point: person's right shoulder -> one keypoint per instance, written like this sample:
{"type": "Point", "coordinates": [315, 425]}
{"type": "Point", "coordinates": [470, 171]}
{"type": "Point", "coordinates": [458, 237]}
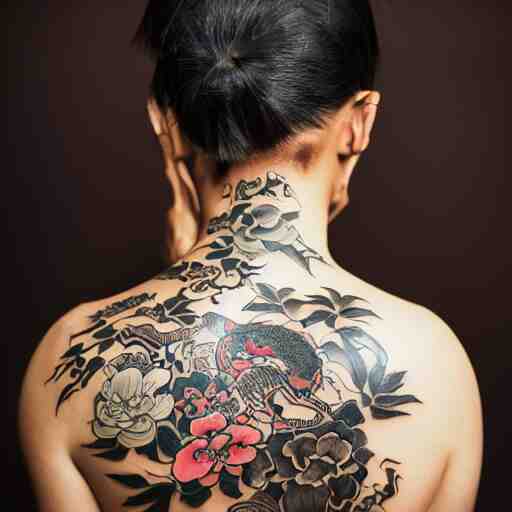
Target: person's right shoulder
{"type": "Point", "coordinates": [441, 371]}
{"type": "Point", "coordinates": [444, 353]}
{"type": "Point", "coordinates": [439, 359]}
{"type": "Point", "coordinates": [463, 409]}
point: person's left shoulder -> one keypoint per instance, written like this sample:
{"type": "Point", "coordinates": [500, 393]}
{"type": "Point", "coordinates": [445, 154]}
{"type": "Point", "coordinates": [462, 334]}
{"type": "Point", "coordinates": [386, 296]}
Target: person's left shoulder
{"type": "Point", "coordinates": [46, 436]}
{"type": "Point", "coordinates": [38, 399]}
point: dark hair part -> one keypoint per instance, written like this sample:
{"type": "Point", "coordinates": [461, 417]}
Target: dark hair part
{"type": "Point", "coordinates": [243, 76]}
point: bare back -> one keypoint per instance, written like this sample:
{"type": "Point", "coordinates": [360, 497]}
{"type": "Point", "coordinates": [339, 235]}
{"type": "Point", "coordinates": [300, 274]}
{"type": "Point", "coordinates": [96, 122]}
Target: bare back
{"type": "Point", "coordinates": [255, 375]}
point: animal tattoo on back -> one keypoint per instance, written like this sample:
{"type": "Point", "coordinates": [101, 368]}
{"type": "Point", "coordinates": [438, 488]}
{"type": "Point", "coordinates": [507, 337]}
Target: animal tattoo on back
{"type": "Point", "coordinates": [267, 403]}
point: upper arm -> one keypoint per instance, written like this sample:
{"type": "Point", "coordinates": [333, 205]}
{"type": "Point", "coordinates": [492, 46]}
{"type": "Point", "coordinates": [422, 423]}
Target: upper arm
{"type": "Point", "coordinates": [461, 477]}
{"type": "Point", "coordinates": [58, 484]}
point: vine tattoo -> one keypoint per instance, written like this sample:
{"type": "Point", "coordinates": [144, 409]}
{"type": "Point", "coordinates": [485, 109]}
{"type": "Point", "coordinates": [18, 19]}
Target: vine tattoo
{"type": "Point", "coordinates": [272, 401]}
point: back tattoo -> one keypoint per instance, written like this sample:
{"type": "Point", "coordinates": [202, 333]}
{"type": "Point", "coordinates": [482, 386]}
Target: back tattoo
{"type": "Point", "coordinates": [271, 399]}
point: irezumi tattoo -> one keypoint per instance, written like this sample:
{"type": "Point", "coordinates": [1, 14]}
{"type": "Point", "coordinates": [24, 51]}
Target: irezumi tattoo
{"type": "Point", "coordinates": [273, 398]}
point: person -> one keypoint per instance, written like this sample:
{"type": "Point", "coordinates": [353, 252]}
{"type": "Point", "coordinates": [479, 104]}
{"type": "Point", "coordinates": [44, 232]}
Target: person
{"type": "Point", "coordinates": [255, 374]}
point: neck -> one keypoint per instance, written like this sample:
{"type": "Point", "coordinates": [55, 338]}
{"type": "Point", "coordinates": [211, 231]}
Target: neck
{"type": "Point", "coordinates": [269, 209]}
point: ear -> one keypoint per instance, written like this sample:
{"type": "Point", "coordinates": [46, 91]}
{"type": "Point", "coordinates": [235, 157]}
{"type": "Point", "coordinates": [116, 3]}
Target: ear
{"type": "Point", "coordinates": [353, 139]}
{"type": "Point", "coordinates": [183, 216]}
{"type": "Point", "coordinates": [365, 108]}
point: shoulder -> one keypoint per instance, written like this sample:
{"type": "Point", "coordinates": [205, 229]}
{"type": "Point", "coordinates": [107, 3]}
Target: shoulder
{"type": "Point", "coordinates": [437, 343]}
{"type": "Point", "coordinates": [452, 367]}
{"type": "Point", "coordinates": [441, 374]}
{"type": "Point", "coordinates": [440, 368]}
{"type": "Point", "coordinates": [37, 401]}
{"type": "Point", "coordinates": [39, 398]}
{"type": "Point", "coordinates": [452, 404]}
{"type": "Point", "coordinates": [424, 332]}
{"type": "Point", "coordinates": [67, 333]}
{"type": "Point", "coordinates": [57, 339]}
{"type": "Point", "coordinates": [46, 437]}
{"type": "Point", "coordinates": [435, 347]}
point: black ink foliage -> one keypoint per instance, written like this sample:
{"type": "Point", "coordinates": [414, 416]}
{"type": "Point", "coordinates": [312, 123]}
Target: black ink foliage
{"type": "Point", "coordinates": [117, 454]}
{"type": "Point", "coordinates": [229, 485]}
{"type": "Point", "coordinates": [131, 481]}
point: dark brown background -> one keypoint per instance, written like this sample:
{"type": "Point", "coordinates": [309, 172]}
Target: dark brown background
{"type": "Point", "coordinates": [429, 218]}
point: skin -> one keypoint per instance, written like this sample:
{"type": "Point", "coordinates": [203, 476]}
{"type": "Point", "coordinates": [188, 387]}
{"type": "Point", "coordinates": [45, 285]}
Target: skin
{"type": "Point", "coordinates": [439, 445]}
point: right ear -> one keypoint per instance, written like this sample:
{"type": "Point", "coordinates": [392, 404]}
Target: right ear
{"type": "Point", "coordinates": [183, 216]}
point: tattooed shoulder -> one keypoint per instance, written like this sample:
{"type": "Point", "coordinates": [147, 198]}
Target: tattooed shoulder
{"type": "Point", "coordinates": [237, 383]}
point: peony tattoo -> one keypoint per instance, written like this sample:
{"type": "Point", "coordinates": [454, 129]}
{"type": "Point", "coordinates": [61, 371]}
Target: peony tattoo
{"type": "Point", "coordinates": [266, 404]}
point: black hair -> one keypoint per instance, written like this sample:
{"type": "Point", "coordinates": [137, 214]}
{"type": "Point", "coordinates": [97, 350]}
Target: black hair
{"type": "Point", "coordinates": [244, 76]}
